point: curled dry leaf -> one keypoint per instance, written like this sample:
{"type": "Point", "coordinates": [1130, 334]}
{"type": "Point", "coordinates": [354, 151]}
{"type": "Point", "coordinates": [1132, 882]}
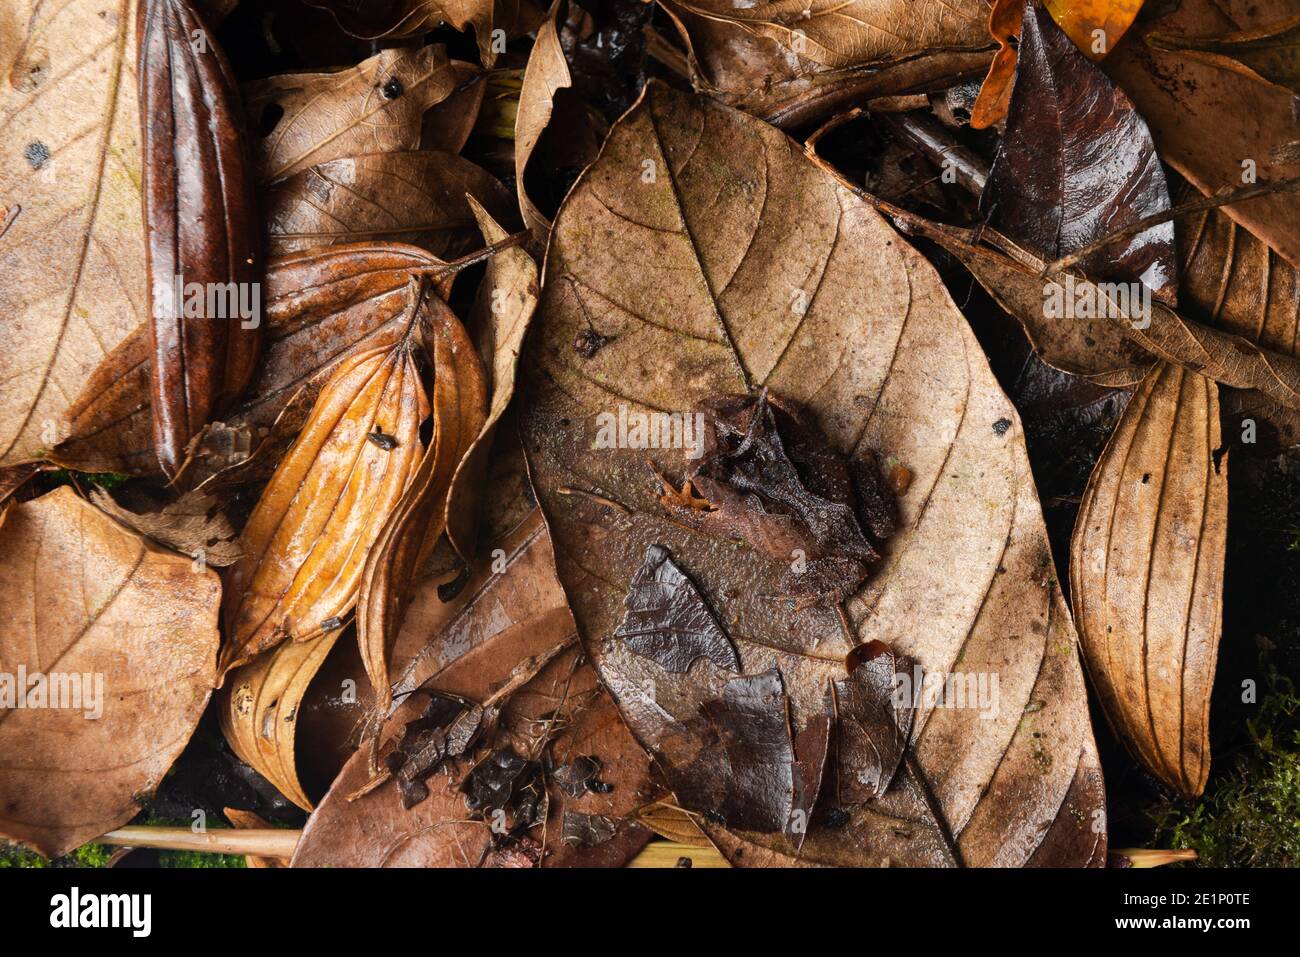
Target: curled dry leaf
{"type": "Point", "coordinates": [689, 278]}
{"type": "Point", "coordinates": [754, 59]}
{"type": "Point", "coordinates": [546, 74]}
{"type": "Point", "coordinates": [416, 197]}
{"type": "Point", "coordinates": [101, 624]}
{"type": "Point", "coordinates": [319, 307]}
{"type": "Point", "coordinates": [201, 226]}
{"type": "Point", "coordinates": [307, 539]}
{"type": "Point", "coordinates": [193, 525]}
{"type": "Point", "coordinates": [506, 301]}
{"type": "Point", "coordinates": [260, 706]}
{"type": "Point", "coordinates": [1146, 573]}
{"type": "Point", "coordinates": [995, 94]}
{"type": "Point", "coordinates": [1181, 98]}
{"type": "Point", "coordinates": [509, 612]}
{"type": "Point", "coordinates": [376, 106]}
{"type": "Point", "coordinates": [1077, 163]}
{"type": "Point", "coordinates": [70, 212]}
{"type": "Point", "coordinates": [420, 517]}
{"type": "Point", "coordinates": [1269, 54]}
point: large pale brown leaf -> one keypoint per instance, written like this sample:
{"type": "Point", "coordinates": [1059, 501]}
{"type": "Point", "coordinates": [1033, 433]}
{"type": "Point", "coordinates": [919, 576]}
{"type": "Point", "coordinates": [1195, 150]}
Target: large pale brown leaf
{"type": "Point", "coordinates": [1181, 99]}
{"type": "Point", "coordinates": [792, 61]}
{"type": "Point", "coordinates": [319, 306]}
{"type": "Point", "coordinates": [1146, 573]}
{"type": "Point", "coordinates": [688, 279]}
{"type": "Point", "coordinates": [201, 226]}
{"type": "Point", "coordinates": [72, 243]}
{"type": "Point", "coordinates": [86, 600]}
{"type": "Point", "coordinates": [306, 543]}
{"type": "Point", "coordinates": [416, 197]}
{"type": "Point", "coordinates": [376, 106]}
{"type": "Point", "coordinates": [511, 609]}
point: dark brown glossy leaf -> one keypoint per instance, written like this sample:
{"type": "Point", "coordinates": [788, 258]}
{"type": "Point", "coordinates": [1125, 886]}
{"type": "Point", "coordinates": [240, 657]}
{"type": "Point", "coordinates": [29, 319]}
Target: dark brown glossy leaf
{"type": "Point", "coordinates": [201, 227]}
{"type": "Point", "coordinates": [667, 620]}
{"type": "Point", "coordinates": [1077, 163]}
{"type": "Point", "coordinates": [320, 306]}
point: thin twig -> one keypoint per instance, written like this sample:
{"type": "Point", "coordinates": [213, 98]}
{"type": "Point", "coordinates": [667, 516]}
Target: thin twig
{"type": "Point", "coordinates": [1224, 197]}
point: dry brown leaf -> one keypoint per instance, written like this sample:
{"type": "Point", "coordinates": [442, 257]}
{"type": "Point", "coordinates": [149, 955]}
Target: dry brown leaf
{"type": "Point", "coordinates": [995, 93]}
{"type": "Point", "coordinates": [1233, 281]}
{"type": "Point", "coordinates": [1268, 54]}
{"type": "Point", "coordinates": [416, 197]}
{"type": "Point", "coordinates": [1146, 573]}
{"type": "Point", "coordinates": [193, 525]}
{"type": "Point", "coordinates": [673, 823]}
{"type": "Point", "coordinates": [1181, 99]}
{"type": "Point", "coordinates": [1214, 352]}
{"type": "Point", "coordinates": [793, 60]}
{"type": "Point", "coordinates": [692, 280]}
{"type": "Point", "coordinates": [306, 543]}
{"type": "Point", "coordinates": [546, 74]}
{"type": "Point", "coordinates": [512, 608]}
{"type": "Point", "coordinates": [447, 125]}
{"type": "Point", "coordinates": [376, 106]}
{"type": "Point", "coordinates": [71, 234]}
{"type": "Point", "coordinates": [506, 300]}
{"type": "Point", "coordinates": [95, 607]}
{"type": "Point", "coordinates": [320, 306]}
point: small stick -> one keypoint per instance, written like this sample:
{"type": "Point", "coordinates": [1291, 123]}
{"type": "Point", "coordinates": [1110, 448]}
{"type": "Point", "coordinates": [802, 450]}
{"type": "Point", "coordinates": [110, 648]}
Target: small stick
{"type": "Point", "coordinates": [268, 842]}
{"type": "Point", "coordinates": [1224, 197]}
{"type": "Point", "coordinates": [570, 490]}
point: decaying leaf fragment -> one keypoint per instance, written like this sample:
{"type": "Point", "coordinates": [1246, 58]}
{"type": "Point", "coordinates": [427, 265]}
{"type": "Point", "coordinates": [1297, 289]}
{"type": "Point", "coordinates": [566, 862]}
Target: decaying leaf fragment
{"type": "Point", "coordinates": [995, 93]}
{"type": "Point", "coordinates": [766, 475]}
{"type": "Point", "coordinates": [689, 279]}
{"type": "Point", "coordinates": [1146, 573]}
{"type": "Point", "coordinates": [201, 226]}
{"type": "Point", "coordinates": [506, 643]}
{"type": "Point", "coordinates": [110, 641]}
{"type": "Point", "coordinates": [308, 538]}
{"type": "Point", "coordinates": [193, 524]}
{"type": "Point", "coordinates": [667, 620]}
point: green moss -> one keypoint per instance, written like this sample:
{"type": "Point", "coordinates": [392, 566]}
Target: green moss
{"type": "Point", "coordinates": [91, 855]}
{"type": "Point", "coordinates": [56, 477]}
{"type": "Point", "coordinates": [1250, 817]}
{"type": "Point", "coordinates": [197, 859]}
{"type": "Point", "coordinates": [13, 855]}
